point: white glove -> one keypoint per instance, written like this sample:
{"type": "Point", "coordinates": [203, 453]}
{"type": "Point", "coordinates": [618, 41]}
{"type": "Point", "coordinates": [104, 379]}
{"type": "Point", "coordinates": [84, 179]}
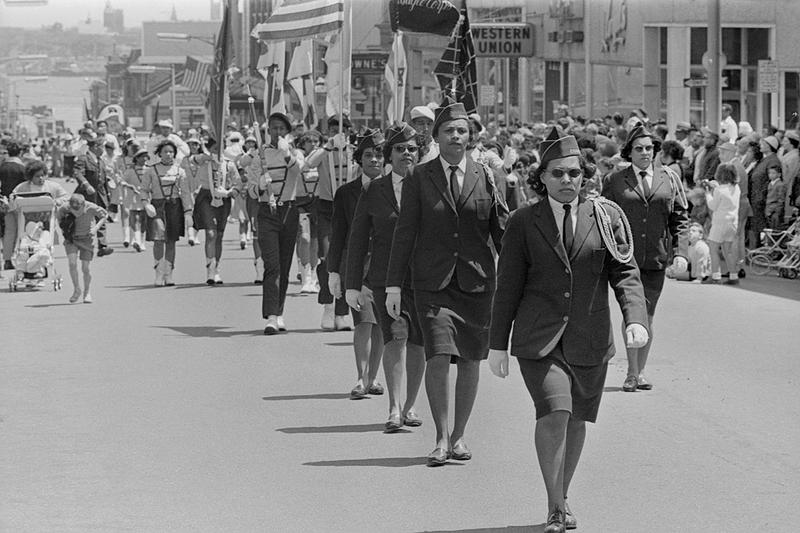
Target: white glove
{"type": "Point", "coordinates": [283, 147]}
{"type": "Point", "coordinates": [498, 362]}
{"type": "Point", "coordinates": [340, 141]}
{"type": "Point", "coordinates": [335, 284]}
{"type": "Point", "coordinates": [188, 220]}
{"type": "Point", "coordinates": [150, 210]}
{"type": "Point", "coordinates": [510, 157]}
{"type": "Point", "coordinates": [636, 336]}
{"type": "Point", "coordinates": [221, 192]}
{"type": "Point", "coordinates": [393, 301]}
{"type": "Point", "coordinates": [353, 298]}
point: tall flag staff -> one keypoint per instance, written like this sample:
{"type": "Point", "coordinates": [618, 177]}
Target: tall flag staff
{"type": "Point", "coordinates": [457, 67]}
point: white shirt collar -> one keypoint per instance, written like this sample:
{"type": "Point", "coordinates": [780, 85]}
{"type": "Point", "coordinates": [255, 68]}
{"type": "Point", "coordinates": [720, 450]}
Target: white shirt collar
{"type": "Point", "coordinates": [462, 165]}
{"type": "Point", "coordinates": [396, 178]}
{"type": "Point", "coordinates": [638, 170]}
{"type": "Point", "coordinates": [558, 207]}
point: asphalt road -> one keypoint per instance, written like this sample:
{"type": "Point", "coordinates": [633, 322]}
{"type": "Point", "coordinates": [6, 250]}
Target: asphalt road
{"type": "Point", "coordinates": [165, 409]}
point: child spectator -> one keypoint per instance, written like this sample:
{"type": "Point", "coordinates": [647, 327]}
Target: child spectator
{"type": "Point", "coordinates": [76, 220]}
{"type": "Point", "coordinates": [699, 254]}
{"type": "Point", "coordinates": [722, 198]}
{"type": "Point", "coordinates": [775, 197]}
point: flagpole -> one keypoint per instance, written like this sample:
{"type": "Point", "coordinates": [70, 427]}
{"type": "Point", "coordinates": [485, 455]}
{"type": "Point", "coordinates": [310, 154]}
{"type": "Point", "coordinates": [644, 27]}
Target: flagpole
{"type": "Point", "coordinates": [398, 42]}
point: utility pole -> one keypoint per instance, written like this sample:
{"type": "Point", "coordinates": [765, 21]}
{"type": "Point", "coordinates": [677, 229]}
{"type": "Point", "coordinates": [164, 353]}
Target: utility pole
{"type": "Point", "coordinates": [714, 89]}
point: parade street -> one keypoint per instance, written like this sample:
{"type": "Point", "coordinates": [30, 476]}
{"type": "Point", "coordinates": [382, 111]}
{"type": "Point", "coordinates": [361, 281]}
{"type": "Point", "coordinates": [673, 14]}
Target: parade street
{"type": "Point", "coordinates": [166, 409]}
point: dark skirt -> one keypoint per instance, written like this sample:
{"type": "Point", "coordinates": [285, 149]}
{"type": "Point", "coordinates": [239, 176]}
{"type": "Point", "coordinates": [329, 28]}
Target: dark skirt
{"type": "Point", "coordinates": [454, 322]}
{"type": "Point", "coordinates": [207, 216]}
{"type": "Point", "coordinates": [407, 326]}
{"type": "Point", "coordinates": [367, 315]}
{"type": "Point", "coordinates": [168, 223]}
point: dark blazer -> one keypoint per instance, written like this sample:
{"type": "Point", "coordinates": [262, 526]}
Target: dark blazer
{"type": "Point", "coordinates": [89, 169]}
{"type": "Point", "coordinates": [547, 296]}
{"type": "Point", "coordinates": [445, 236]}
{"type": "Point", "coordinates": [655, 221]}
{"type": "Point", "coordinates": [344, 207]}
{"type": "Point", "coordinates": [371, 233]}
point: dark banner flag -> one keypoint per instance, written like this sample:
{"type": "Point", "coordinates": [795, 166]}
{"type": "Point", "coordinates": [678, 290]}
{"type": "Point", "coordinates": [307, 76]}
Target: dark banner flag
{"type": "Point", "coordinates": [423, 16]}
{"type": "Point", "coordinates": [218, 93]}
{"type": "Point", "coordinates": [456, 71]}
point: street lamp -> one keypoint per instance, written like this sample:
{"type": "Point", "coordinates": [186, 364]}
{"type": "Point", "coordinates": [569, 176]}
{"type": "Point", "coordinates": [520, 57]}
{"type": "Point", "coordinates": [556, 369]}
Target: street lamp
{"type": "Point", "coordinates": [150, 69]}
{"type": "Point", "coordinates": [182, 37]}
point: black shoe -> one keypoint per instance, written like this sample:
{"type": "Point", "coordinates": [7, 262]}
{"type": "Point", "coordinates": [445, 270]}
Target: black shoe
{"type": "Point", "coordinates": [104, 250]}
{"type": "Point", "coordinates": [8, 265]}
{"type": "Point", "coordinates": [742, 273]}
{"type": "Point", "coordinates": [555, 522]}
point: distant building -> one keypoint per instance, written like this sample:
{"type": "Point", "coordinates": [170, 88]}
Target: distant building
{"type": "Point", "coordinates": [113, 19]}
{"type": "Point", "coordinates": [216, 9]}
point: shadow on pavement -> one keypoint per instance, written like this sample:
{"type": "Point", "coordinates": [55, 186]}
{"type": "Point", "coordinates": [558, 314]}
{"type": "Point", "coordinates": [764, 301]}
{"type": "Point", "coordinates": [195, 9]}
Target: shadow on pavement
{"type": "Point", "coordinates": [321, 396]}
{"type": "Point", "coordinates": [396, 462]}
{"type": "Point", "coordinates": [338, 344]}
{"type": "Point", "coordinates": [41, 306]}
{"type": "Point", "coordinates": [539, 528]}
{"type": "Point", "coordinates": [771, 285]}
{"type": "Point", "coordinates": [355, 428]}
{"type": "Point", "coordinates": [612, 389]}
{"type": "Point", "coordinates": [211, 332]}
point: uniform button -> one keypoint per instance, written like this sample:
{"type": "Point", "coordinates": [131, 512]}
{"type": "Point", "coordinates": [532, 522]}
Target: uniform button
{"type": "Point", "coordinates": [566, 295]}
{"type": "Point", "coordinates": [566, 319]}
{"type": "Point", "coordinates": [455, 254]}
{"type": "Point", "coordinates": [455, 235]}
{"type": "Point", "coordinates": [566, 270]}
{"type": "Point", "coordinates": [644, 235]}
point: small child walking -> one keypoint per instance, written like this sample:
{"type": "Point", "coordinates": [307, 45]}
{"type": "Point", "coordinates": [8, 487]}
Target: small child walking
{"type": "Point", "coordinates": [77, 219]}
{"type": "Point", "coordinates": [776, 192]}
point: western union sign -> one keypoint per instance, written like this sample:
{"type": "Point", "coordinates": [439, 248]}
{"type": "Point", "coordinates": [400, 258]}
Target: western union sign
{"type": "Point", "coordinates": [503, 40]}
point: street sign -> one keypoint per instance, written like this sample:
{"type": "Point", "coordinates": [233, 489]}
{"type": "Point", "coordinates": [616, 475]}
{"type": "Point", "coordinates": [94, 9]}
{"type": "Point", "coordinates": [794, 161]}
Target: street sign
{"type": "Point", "coordinates": [767, 76]}
{"type": "Point", "coordinates": [486, 95]}
{"type": "Point", "coordinates": [514, 39]}
{"type": "Point", "coordinates": [695, 82]}
{"type": "Point", "coordinates": [369, 63]}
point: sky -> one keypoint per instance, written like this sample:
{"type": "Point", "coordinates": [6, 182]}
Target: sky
{"type": "Point", "coordinates": [70, 12]}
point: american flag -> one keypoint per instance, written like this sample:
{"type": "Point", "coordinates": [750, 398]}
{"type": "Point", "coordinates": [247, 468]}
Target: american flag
{"type": "Point", "coordinates": [196, 76]}
{"type": "Point", "coordinates": [293, 20]}
{"type": "Point", "coordinates": [218, 101]}
{"type": "Point", "coordinates": [458, 63]}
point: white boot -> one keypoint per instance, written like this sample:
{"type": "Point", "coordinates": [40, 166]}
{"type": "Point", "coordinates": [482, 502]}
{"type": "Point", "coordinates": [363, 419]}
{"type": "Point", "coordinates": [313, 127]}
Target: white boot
{"type": "Point", "coordinates": [217, 277]}
{"type": "Point", "coordinates": [243, 240]}
{"type": "Point", "coordinates": [272, 325]}
{"type": "Point", "coordinates": [327, 317]}
{"type": "Point", "coordinates": [193, 237]}
{"type": "Point", "coordinates": [259, 263]}
{"type": "Point", "coordinates": [168, 267]}
{"type": "Point", "coordinates": [340, 323]}
{"type": "Point", "coordinates": [210, 270]}
{"type": "Point", "coordinates": [309, 282]}
{"type": "Point", "coordinates": [281, 323]}
{"type": "Point", "coordinates": [159, 268]}
{"type": "Point", "coordinates": [137, 241]}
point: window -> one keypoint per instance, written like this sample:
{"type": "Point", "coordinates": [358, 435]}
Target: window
{"type": "Point", "coordinates": [757, 45]}
{"type": "Point", "coordinates": [698, 43]}
{"type": "Point", "coordinates": [732, 45]}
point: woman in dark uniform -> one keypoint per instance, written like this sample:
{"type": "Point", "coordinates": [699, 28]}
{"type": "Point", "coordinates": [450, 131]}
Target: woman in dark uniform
{"type": "Point", "coordinates": [450, 210]}
{"type": "Point", "coordinates": [369, 246]}
{"type": "Point", "coordinates": [559, 256]}
{"type": "Point", "coordinates": [652, 198]}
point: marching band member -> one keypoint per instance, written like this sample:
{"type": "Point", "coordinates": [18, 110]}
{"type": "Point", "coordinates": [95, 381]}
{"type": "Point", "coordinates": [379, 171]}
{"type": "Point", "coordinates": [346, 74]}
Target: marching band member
{"type": "Point", "coordinates": [558, 258]}
{"type": "Point", "coordinates": [367, 261]}
{"type": "Point", "coordinates": [367, 338]}
{"type": "Point", "coordinates": [272, 178]}
{"type": "Point", "coordinates": [218, 183]}
{"type": "Point", "coordinates": [131, 184]}
{"type": "Point", "coordinates": [334, 163]}
{"type": "Point", "coordinates": [449, 212]}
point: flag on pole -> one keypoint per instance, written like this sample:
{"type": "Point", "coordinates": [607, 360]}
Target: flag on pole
{"type": "Point", "coordinates": [272, 66]}
{"type": "Point", "coordinates": [218, 100]}
{"type": "Point", "coordinates": [301, 79]}
{"type": "Point", "coordinates": [86, 110]}
{"type": "Point", "coordinates": [395, 73]}
{"type": "Point", "coordinates": [196, 76]}
{"type": "Point", "coordinates": [293, 20]}
{"type": "Point", "coordinates": [338, 58]}
{"type": "Point", "coordinates": [456, 71]}
{"type": "Point", "coordinates": [155, 112]}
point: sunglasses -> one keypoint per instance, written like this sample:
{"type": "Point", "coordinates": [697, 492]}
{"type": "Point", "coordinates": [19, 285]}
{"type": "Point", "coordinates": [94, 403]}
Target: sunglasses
{"type": "Point", "coordinates": [572, 173]}
{"type": "Point", "coordinates": [400, 149]}
{"type": "Point", "coordinates": [644, 148]}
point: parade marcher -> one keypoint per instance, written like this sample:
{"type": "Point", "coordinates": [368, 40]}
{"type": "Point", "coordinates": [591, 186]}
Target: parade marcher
{"type": "Point", "coordinates": [367, 338]}
{"type": "Point", "coordinates": [12, 173]}
{"type": "Point", "coordinates": [164, 132]}
{"type": "Point", "coordinates": [334, 163]}
{"type": "Point", "coordinates": [652, 199]}
{"type": "Point", "coordinates": [422, 121]}
{"type": "Point", "coordinates": [251, 206]}
{"type": "Point", "coordinates": [131, 183]}
{"type": "Point", "coordinates": [367, 261]}
{"type": "Point", "coordinates": [195, 144]}
{"type": "Point", "coordinates": [77, 219]}
{"type": "Point", "coordinates": [449, 211]}
{"type": "Point", "coordinates": [307, 243]}
{"type": "Point", "coordinates": [90, 173]}
{"type": "Point", "coordinates": [272, 178]}
{"type": "Point", "coordinates": [218, 183]}
{"type": "Point", "coordinates": [558, 259]}
{"type": "Point", "coordinates": [115, 167]}
{"type": "Point", "coordinates": [168, 204]}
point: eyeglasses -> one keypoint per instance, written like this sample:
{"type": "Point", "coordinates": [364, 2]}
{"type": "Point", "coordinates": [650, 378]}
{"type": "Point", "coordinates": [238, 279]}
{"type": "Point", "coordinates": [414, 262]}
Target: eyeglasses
{"type": "Point", "coordinates": [572, 172]}
{"type": "Point", "coordinates": [644, 148]}
{"type": "Point", "coordinates": [400, 149]}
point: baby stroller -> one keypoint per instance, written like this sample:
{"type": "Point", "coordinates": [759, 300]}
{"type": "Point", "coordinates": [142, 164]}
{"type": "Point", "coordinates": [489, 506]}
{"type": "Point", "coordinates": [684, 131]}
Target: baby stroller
{"type": "Point", "coordinates": [33, 249]}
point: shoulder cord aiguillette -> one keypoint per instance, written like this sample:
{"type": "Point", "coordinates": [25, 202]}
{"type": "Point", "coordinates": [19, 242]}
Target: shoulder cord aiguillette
{"type": "Point", "coordinates": [601, 206]}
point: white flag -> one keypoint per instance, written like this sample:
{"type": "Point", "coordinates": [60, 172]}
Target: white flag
{"type": "Point", "coordinates": [272, 65]}
{"type": "Point", "coordinates": [395, 73]}
{"type": "Point", "coordinates": [339, 61]}
{"type": "Point", "coordinates": [301, 79]}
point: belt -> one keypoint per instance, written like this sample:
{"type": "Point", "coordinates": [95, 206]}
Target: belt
{"type": "Point", "coordinates": [287, 203]}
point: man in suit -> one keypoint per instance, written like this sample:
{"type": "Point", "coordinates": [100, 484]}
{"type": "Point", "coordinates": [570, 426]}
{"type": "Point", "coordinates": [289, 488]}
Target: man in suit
{"type": "Point", "coordinates": [555, 268]}
{"type": "Point", "coordinates": [450, 210]}
{"type": "Point", "coordinates": [12, 173]}
{"type": "Point", "coordinates": [651, 198]}
{"type": "Point", "coordinates": [367, 338]}
{"type": "Point", "coordinates": [90, 173]}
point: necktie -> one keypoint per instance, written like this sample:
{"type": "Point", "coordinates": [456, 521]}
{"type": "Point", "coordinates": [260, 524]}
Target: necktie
{"type": "Point", "coordinates": [567, 233]}
{"type": "Point", "coordinates": [455, 190]}
{"type": "Point", "coordinates": [645, 186]}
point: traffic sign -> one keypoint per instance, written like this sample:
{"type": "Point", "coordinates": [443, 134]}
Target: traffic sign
{"type": "Point", "coordinates": [767, 76]}
{"type": "Point", "coordinates": [486, 94]}
{"type": "Point", "coordinates": [695, 82]}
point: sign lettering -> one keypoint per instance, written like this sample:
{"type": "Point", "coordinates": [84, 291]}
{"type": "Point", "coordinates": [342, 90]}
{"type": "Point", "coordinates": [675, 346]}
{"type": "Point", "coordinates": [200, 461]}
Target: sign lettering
{"type": "Point", "coordinates": [503, 40]}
